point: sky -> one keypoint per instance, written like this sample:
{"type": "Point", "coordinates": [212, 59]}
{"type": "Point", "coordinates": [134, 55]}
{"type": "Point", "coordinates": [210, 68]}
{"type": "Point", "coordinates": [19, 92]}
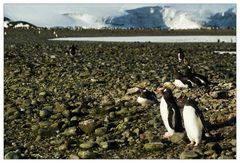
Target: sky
{"type": "Point", "coordinates": [46, 14]}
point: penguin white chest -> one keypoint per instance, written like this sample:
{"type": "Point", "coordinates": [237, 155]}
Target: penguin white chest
{"type": "Point", "coordinates": [143, 101]}
{"type": "Point", "coordinates": [179, 83]}
{"type": "Point", "coordinates": [164, 114]}
{"type": "Point", "coordinates": [192, 123]}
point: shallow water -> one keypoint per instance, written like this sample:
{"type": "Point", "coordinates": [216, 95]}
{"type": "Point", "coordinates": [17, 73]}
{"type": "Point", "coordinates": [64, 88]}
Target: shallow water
{"type": "Point", "coordinates": [202, 38]}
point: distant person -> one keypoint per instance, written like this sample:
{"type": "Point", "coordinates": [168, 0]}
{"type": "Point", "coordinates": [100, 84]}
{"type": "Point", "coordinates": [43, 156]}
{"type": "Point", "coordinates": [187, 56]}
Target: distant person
{"type": "Point", "coordinates": [73, 50]}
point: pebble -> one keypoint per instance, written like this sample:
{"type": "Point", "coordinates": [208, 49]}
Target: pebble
{"type": "Point", "coordinates": [87, 126]}
{"type": "Point", "coordinates": [154, 146]}
{"type": "Point", "coordinates": [100, 131]}
{"type": "Point", "coordinates": [189, 155]}
{"type": "Point", "coordinates": [87, 145]}
{"type": "Point", "coordinates": [86, 154]}
{"type": "Point", "coordinates": [70, 131]}
{"type": "Point", "coordinates": [177, 138]}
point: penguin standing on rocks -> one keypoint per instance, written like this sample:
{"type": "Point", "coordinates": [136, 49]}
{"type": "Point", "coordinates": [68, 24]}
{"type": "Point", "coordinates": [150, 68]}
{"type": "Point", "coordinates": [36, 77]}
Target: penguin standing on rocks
{"type": "Point", "coordinates": [182, 81]}
{"type": "Point", "coordinates": [147, 97]}
{"type": "Point", "coordinates": [73, 50]}
{"type": "Point", "coordinates": [200, 80]}
{"type": "Point", "coordinates": [194, 121]}
{"type": "Point", "coordinates": [170, 113]}
{"type": "Point", "coordinates": [180, 55]}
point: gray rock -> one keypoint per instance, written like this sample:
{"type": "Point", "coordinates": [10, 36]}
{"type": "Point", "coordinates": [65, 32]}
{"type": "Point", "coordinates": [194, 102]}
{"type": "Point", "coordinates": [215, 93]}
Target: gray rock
{"type": "Point", "coordinates": [86, 154]}
{"type": "Point", "coordinates": [148, 135]}
{"type": "Point", "coordinates": [66, 113]}
{"type": "Point", "coordinates": [70, 131]}
{"type": "Point", "coordinates": [209, 152]}
{"type": "Point", "coordinates": [154, 146]}
{"type": "Point", "coordinates": [44, 113]}
{"type": "Point", "coordinates": [177, 138]}
{"type": "Point", "coordinates": [42, 93]}
{"type": "Point", "coordinates": [132, 91]}
{"type": "Point", "coordinates": [104, 145]}
{"type": "Point", "coordinates": [233, 142]}
{"type": "Point", "coordinates": [63, 147]}
{"type": "Point", "coordinates": [100, 131]}
{"type": "Point", "coordinates": [74, 157]}
{"type": "Point", "coordinates": [107, 101]}
{"type": "Point", "coordinates": [12, 155]}
{"type": "Point", "coordinates": [122, 111]}
{"type": "Point", "coordinates": [189, 155]}
{"type": "Point", "coordinates": [87, 126]}
{"type": "Point", "coordinates": [225, 157]}
{"type": "Point", "coordinates": [87, 145]}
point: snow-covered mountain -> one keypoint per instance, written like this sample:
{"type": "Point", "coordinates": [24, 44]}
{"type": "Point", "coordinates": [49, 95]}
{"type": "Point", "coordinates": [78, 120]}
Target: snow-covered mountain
{"type": "Point", "coordinates": [166, 17]}
{"type": "Point", "coordinates": [225, 19]}
{"type": "Point", "coordinates": [17, 24]}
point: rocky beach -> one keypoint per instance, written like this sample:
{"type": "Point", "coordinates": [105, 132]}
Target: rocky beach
{"type": "Point", "coordinates": [59, 106]}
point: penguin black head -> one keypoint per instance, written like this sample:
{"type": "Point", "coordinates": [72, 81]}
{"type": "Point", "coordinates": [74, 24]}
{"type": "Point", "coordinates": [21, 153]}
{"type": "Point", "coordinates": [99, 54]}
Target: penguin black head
{"type": "Point", "coordinates": [167, 93]}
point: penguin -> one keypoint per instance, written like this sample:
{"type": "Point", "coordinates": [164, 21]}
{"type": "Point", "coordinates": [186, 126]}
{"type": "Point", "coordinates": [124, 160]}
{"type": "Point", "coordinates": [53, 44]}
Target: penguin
{"type": "Point", "coordinates": [182, 81]}
{"type": "Point", "coordinates": [200, 80]}
{"type": "Point", "coordinates": [180, 55]}
{"type": "Point", "coordinates": [170, 113]}
{"type": "Point", "coordinates": [147, 97]}
{"type": "Point", "coordinates": [73, 50]}
{"type": "Point", "coordinates": [194, 122]}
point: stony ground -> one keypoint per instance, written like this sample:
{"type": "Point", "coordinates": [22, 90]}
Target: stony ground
{"type": "Point", "coordinates": [60, 106]}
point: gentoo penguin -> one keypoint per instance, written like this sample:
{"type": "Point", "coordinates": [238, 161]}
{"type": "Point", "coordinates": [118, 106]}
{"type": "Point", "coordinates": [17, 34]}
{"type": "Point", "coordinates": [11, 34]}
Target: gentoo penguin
{"type": "Point", "coordinates": [170, 113]}
{"type": "Point", "coordinates": [193, 121]}
{"type": "Point", "coordinates": [147, 97]}
{"type": "Point", "coordinates": [182, 81]}
{"type": "Point", "coordinates": [180, 55]}
{"type": "Point", "coordinates": [200, 80]}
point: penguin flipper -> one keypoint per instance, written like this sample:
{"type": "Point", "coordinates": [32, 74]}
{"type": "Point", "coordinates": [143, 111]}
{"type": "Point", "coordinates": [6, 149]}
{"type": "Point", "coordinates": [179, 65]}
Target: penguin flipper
{"type": "Point", "coordinates": [200, 115]}
{"type": "Point", "coordinates": [171, 120]}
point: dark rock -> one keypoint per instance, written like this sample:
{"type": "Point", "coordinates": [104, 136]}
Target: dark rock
{"type": "Point", "coordinates": [12, 155]}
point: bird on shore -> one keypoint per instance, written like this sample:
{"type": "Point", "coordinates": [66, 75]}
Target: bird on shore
{"type": "Point", "coordinates": [180, 54]}
{"type": "Point", "coordinates": [200, 80]}
{"type": "Point", "coordinates": [170, 113]}
{"type": "Point", "coordinates": [73, 50]}
{"type": "Point", "coordinates": [194, 122]}
{"type": "Point", "coordinates": [147, 97]}
{"type": "Point", "coordinates": [182, 81]}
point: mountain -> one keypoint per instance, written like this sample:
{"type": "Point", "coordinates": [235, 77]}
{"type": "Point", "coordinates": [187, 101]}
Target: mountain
{"type": "Point", "coordinates": [225, 19]}
{"type": "Point", "coordinates": [164, 17]}
{"type": "Point", "coordinates": [17, 24]}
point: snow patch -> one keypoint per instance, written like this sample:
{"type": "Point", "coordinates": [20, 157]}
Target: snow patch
{"type": "Point", "coordinates": [21, 25]}
{"type": "Point", "coordinates": [6, 24]}
{"type": "Point", "coordinates": [179, 20]}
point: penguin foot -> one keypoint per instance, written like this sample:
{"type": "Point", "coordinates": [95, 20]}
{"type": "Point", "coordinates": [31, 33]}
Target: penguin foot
{"type": "Point", "coordinates": [167, 135]}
